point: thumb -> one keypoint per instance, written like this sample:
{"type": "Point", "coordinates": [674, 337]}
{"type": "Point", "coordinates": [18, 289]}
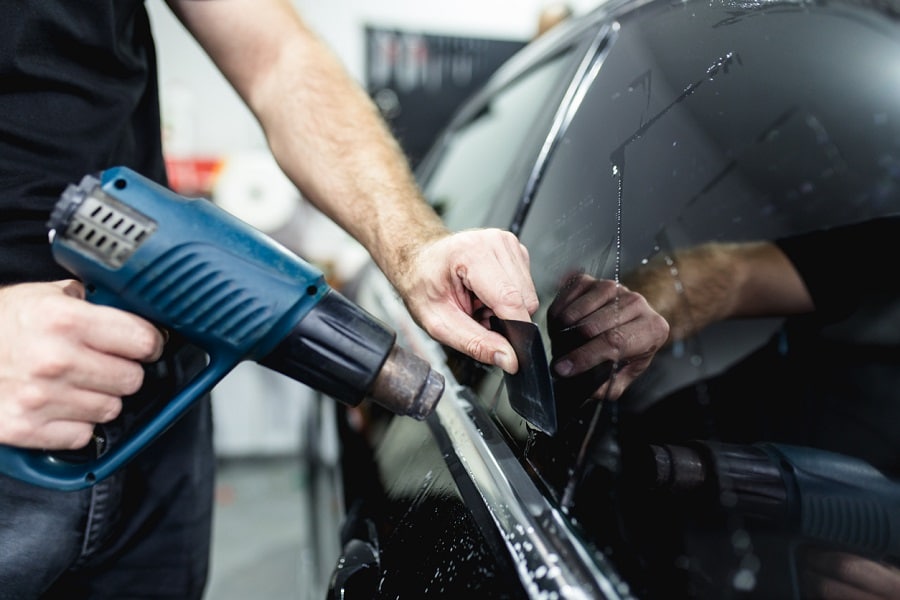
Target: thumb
{"type": "Point", "coordinates": [465, 334]}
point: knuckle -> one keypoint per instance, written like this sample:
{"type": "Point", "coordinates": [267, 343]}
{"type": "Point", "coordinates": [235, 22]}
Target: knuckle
{"type": "Point", "coordinates": [477, 347]}
{"type": "Point", "coordinates": [509, 294]}
{"type": "Point", "coordinates": [145, 340]}
{"type": "Point", "coordinates": [148, 344]}
{"type": "Point", "coordinates": [661, 327]}
{"type": "Point", "coordinates": [617, 340]}
{"type": "Point", "coordinates": [131, 379]}
{"type": "Point", "coordinates": [31, 398]}
{"type": "Point", "coordinates": [81, 437]}
{"type": "Point", "coordinates": [59, 317]}
{"type": "Point", "coordinates": [112, 410]}
{"type": "Point", "coordinates": [523, 250]}
{"type": "Point", "coordinates": [52, 366]}
{"type": "Point", "coordinates": [591, 329]}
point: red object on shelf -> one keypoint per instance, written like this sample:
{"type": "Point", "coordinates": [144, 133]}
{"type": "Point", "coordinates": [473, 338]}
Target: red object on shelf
{"type": "Point", "coordinates": [193, 176]}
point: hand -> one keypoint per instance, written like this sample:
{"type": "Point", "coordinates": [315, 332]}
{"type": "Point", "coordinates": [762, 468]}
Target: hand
{"type": "Point", "coordinates": [841, 576]}
{"type": "Point", "coordinates": [458, 281]}
{"type": "Point", "coordinates": [593, 322]}
{"type": "Point", "coordinates": [65, 364]}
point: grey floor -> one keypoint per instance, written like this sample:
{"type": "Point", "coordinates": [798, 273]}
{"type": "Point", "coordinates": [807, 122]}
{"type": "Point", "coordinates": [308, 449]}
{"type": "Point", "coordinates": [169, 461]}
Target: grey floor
{"type": "Point", "coordinates": [271, 539]}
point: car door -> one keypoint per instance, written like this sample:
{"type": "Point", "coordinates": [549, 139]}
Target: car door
{"type": "Point", "coordinates": [751, 448]}
{"type": "Point", "coordinates": [444, 508]}
{"type": "Point", "coordinates": [756, 446]}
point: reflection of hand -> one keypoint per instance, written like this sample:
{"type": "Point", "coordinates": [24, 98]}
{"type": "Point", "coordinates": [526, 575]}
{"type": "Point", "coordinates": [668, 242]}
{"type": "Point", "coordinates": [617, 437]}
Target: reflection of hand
{"type": "Point", "coordinates": [841, 576]}
{"type": "Point", "coordinates": [595, 321]}
{"type": "Point", "coordinates": [65, 363]}
{"type": "Point", "coordinates": [453, 280]}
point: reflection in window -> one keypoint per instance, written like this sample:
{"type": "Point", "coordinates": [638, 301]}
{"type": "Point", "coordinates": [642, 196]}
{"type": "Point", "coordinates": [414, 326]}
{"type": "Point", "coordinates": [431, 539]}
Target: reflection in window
{"type": "Point", "coordinates": [759, 445]}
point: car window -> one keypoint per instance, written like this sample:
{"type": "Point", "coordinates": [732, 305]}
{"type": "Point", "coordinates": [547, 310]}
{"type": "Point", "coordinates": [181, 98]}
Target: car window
{"type": "Point", "coordinates": [676, 154]}
{"type": "Point", "coordinates": [478, 154]}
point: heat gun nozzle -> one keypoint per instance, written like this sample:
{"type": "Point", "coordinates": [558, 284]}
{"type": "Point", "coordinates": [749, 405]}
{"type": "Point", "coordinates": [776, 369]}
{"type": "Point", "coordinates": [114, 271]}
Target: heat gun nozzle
{"type": "Point", "coordinates": [341, 350]}
{"type": "Point", "coordinates": [407, 385]}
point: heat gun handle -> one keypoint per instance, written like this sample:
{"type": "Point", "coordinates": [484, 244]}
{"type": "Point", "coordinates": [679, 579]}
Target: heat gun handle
{"type": "Point", "coordinates": [46, 469]}
{"type": "Point", "coordinates": [839, 499]}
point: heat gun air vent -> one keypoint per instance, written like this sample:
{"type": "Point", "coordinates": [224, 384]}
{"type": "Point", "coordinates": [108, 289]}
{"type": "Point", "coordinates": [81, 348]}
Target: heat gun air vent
{"type": "Point", "coordinates": [107, 229]}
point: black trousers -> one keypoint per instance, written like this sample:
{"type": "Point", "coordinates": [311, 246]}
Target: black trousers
{"type": "Point", "coordinates": [142, 533]}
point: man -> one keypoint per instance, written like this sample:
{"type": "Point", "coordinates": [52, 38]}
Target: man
{"type": "Point", "coordinates": [78, 95]}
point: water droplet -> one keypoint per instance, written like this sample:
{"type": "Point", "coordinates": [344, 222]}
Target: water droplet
{"type": "Point", "coordinates": [740, 540]}
{"type": "Point", "coordinates": [744, 580]}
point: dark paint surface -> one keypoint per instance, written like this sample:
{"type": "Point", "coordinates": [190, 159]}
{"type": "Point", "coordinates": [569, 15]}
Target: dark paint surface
{"type": "Point", "coordinates": [696, 123]}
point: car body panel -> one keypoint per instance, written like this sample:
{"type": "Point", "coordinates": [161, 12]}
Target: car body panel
{"type": "Point", "coordinates": [622, 139]}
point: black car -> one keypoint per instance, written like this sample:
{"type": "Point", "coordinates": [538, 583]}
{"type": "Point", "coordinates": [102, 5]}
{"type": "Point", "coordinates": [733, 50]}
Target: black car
{"type": "Point", "coordinates": [757, 456]}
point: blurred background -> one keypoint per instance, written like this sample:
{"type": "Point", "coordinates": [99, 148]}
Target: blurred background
{"type": "Point", "coordinates": [278, 504]}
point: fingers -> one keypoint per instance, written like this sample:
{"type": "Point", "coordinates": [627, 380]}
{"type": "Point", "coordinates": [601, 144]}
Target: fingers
{"type": "Point", "coordinates": [460, 280]}
{"type": "Point", "coordinates": [105, 329]}
{"type": "Point", "coordinates": [624, 330]}
{"type": "Point", "coordinates": [65, 364]}
{"type": "Point", "coordinates": [579, 296]}
{"type": "Point", "coordinates": [482, 344]}
{"type": "Point", "coordinates": [121, 334]}
{"type": "Point", "coordinates": [842, 575]}
{"type": "Point", "coordinates": [596, 321]}
{"type": "Point", "coordinates": [496, 268]}
{"type": "Point", "coordinates": [500, 280]}
{"type": "Point", "coordinates": [41, 421]}
{"type": "Point", "coordinates": [83, 369]}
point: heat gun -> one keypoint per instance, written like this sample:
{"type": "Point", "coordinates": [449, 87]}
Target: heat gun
{"type": "Point", "coordinates": [192, 268]}
{"type": "Point", "coordinates": [820, 496]}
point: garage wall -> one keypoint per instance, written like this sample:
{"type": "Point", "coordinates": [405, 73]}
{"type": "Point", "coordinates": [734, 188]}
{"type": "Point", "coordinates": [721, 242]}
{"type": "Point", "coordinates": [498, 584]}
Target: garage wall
{"type": "Point", "coordinates": [197, 101]}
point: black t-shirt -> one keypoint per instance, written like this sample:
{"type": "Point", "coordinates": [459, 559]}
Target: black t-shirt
{"type": "Point", "coordinates": [845, 358]}
{"type": "Point", "coordinates": [78, 94]}
{"type": "Point", "coordinates": [847, 267]}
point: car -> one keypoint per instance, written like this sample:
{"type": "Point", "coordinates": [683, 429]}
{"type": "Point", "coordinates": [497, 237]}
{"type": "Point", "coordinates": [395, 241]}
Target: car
{"type": "Point", "coordinates": [757, 456]}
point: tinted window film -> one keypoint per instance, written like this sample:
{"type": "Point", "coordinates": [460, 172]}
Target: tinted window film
{"type": "Point", "coordinates": [758, 454]}
{"type": "Point", "coordinates": [432, 539]}
{"type": "Point", "coordinates": [476, 161]}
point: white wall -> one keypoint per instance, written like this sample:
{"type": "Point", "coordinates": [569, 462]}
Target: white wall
{"type": "Point", "coordinates": [207, 116]}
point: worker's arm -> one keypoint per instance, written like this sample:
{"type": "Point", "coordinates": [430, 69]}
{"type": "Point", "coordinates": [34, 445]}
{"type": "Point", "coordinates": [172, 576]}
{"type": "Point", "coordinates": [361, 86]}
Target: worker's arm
{"type": "Point", "coordinates": [718, 281]}
{"type": "Point", "coordinates": [329, 138]}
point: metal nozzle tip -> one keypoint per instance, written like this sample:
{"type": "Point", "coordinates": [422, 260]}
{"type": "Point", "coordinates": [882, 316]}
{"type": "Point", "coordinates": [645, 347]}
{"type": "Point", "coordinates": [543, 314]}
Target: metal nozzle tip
{"type": "Point", "coordinates": [407, 385]}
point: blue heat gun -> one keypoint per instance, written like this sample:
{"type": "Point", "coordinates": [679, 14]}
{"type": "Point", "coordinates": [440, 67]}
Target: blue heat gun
{"type": "Point", "coordinates": [194, 269]}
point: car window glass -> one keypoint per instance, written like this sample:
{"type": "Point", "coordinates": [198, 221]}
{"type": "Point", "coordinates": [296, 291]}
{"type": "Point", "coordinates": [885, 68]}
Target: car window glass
{"type": "Point", "coordinates": [480, 152]}
{"type": "Point", "coordinates": [675, 153]}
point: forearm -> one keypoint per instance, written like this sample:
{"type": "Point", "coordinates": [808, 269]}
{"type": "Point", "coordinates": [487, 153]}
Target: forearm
{"type": "Point", "coordinates": [717, 281]}
{"type": "Point", "coordinates": [330, 140]}
{"type": "Point", "coordinates": [691, 290]}
{"type": "Point", "coordinates": [328, 137]}
{"type": "Point", "coordinates": [322, 128]}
